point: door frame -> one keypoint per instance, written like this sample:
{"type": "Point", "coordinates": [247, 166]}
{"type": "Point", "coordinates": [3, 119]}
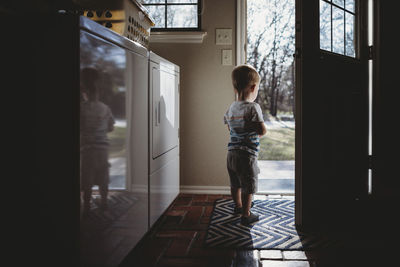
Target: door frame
{"type": "Point", "coordinates": [241, 31]}
{"type": "Point", "coordinates": [298, 119]}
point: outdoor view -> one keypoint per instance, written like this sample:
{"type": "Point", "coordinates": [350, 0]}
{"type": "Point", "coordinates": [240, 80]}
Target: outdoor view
{"type": "Point", "coordinates": [173, 13]}
{"type": "Point", "coordinates": [270, 49]}
{"type": "Point", "coordinates": [337, 19]}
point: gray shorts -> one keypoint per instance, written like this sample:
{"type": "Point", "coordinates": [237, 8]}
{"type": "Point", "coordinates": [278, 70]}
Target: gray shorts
{"type": "Point", "coordinates": [243, 171]}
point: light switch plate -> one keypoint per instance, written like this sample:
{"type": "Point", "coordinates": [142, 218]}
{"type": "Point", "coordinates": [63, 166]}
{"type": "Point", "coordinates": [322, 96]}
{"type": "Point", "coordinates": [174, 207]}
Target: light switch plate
{"type": "Point", "coordinates": [223, 36]}
{"type": "Point", "coordinates": [227, 57]}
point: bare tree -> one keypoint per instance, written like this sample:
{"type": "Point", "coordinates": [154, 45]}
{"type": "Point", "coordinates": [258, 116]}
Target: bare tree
{"type": "Point", "coordinates": [170, 16]}
{"type": "Point", "coordinates": [270, 48]}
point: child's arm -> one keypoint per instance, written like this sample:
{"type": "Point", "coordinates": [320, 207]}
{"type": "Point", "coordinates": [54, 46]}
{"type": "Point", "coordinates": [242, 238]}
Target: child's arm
{"type": "Point", "coordinates": [111, 121]}
{"type": "Point", "coordinates": [260, 128]}
{"type": "Point", "coordinates": [258, 121]}
{"type": "Point", "coordinates": [226, 121]}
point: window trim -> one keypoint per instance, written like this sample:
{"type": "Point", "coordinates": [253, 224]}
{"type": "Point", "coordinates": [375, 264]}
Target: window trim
{"type": "Point", "coordinates": [355, 13]}
{"type": "Point", "coordinates": [241, 32]}
{"type": "Point", "coordinates": [194, 37]}
{"type": "Point", "coordinates": [180, 29]}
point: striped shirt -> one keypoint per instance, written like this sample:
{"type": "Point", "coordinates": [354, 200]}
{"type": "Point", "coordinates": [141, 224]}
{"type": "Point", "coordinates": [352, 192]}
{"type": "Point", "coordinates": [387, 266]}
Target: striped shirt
{"type": "Point", "coordinates": [96, 120]}
{"type": "Point", "coordinates": [239, 117]}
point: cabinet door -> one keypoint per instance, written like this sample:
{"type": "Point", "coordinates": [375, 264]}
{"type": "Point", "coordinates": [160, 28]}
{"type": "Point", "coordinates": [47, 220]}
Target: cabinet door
{"type": "Point", "coordinates": [164, 187]}
{"type": "Point", "coordinates": [165, 101]}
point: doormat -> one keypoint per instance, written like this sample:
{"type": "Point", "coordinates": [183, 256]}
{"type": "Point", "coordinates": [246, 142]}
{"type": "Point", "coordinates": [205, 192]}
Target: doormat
{"type": "Point", "coordinates": [119, 202]}
{"type": "Point", "coordinates": [275, 229]}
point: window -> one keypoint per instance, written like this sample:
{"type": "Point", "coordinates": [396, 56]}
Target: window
{"type": "Point", "coordinates": [337, 26]}
{"type": "Point", "coordinates": [174, 15]}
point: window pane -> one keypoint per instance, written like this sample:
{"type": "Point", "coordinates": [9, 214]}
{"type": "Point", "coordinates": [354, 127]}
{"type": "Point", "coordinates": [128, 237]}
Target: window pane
{"type": "Point", "coordinates": [350, 4]}
{"type": "Point", "coordinates": [182, 16]}
{"type": "Point", "coordinates": [158, 14]}
{"type": "Point", "coordinates": [338, 30]}
{"type": "Point", "coordinates": [153, 1]}
{"type": "Point", "coordinates": [350, 38]}
{"type": "Point", "coordinates": [182, 1]}
{"type": "Point", "coordinates": [339, 2]}
{"type": "Point", "coordinates": [325, 26]}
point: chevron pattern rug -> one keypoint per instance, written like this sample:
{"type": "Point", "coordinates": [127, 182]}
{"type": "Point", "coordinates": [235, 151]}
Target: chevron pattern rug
{"type": "Point", "coordinates": [275, 229]}
{"type": "Point", "coordinates": [97, 220]}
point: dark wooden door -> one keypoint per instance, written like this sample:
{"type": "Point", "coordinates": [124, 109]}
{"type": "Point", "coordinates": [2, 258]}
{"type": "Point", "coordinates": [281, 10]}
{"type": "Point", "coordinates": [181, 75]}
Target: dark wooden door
{"type": "Point", "coordinates": [332, 110]}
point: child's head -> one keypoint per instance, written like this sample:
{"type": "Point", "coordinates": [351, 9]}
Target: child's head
{"type": "Point", "coordinates": [245, 80]}
{"type": "Point", "coordinates": [89, 77]}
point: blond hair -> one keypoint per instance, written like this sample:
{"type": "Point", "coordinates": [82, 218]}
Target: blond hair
{"type": "Point", "coordinates": [243, 76]}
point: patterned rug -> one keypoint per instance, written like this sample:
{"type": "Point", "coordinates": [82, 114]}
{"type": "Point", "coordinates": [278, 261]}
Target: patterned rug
{"type": "Point", "coordinates": [275, 229]}
{"type": "Point", "coordinates": [97, 220]}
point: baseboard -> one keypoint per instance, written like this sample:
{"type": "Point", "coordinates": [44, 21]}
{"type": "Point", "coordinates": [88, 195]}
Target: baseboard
{"type": "Point", "coordinates": [200, 189]}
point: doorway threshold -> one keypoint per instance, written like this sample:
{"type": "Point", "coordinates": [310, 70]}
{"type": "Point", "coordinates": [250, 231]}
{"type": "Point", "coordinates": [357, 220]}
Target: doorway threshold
{"type": "Point", "coordinates": [276, 186]}
{"type": "Point", "coordinates": [276, 177]}
{"type": "Point", "coordinates": [271, 194]}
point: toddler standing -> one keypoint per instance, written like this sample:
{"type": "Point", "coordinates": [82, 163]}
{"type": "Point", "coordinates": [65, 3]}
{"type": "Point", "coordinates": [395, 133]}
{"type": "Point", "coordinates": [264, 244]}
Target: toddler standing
{"type": "Point", "coordinates": [96, 120]}
{"type": "Point", "coordinates": [246, 126]}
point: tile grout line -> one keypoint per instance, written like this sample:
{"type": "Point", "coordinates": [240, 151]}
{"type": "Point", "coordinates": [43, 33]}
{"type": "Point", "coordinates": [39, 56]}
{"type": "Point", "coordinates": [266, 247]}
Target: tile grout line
{"type": "Point", "coordinates": [191, 243]}
{"type": "Point", "coordinates": [161, 256]}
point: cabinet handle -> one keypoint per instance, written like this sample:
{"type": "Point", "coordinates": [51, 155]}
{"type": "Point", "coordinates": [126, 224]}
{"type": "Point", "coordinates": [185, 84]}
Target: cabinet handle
{"type": "Point", "coordinates": [159, 112]}
{"type": "Point", "coordinates": [156, 115]}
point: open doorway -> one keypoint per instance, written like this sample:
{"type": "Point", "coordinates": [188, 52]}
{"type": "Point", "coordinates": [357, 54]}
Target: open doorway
{"type": "Point", "coordinates": [332, 99]}
{"type": "Point", "coordinates": [270, 36]}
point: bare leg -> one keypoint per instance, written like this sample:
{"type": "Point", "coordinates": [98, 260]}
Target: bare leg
{"type": "Point", "coordinates": [246, 198]}
{"type": "Point", "coordinates": [87, 195]}
{"type": "Point", "coordinates": [103, 194]}
{"type": "Point", "coordinates": [236, 196]}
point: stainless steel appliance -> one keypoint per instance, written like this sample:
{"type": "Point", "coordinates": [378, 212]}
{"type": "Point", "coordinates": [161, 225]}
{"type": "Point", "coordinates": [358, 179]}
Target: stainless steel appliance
{"type": "Point", "coordinates": [68, 57]}
{"type": "Point", "coordinates": [113, 222]}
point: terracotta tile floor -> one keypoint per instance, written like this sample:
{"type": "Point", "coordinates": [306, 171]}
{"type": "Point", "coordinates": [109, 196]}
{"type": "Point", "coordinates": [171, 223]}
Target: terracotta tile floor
{"type": "Point", "coordinates": [177, 240]}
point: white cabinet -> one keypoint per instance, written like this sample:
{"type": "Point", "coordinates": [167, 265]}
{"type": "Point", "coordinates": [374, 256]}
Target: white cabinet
{"type": "Point", "coordinates": [164, 187]}
{"type": "Point", "coordinates": [164, 106]}
{"type": "Point", "coordinates": [164, 138]}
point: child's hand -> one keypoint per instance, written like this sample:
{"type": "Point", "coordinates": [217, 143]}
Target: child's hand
{"type": "Point", "coordinates": [260, 128]}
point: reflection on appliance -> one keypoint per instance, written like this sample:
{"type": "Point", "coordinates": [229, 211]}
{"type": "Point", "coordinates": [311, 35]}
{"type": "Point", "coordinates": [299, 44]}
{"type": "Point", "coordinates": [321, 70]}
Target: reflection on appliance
{"type": "Point", "coordinates": [123, 87]}
{"type": "Point", "coordinates": [164, 138]}
{"type": "Point", "coordinates": [115, 82]}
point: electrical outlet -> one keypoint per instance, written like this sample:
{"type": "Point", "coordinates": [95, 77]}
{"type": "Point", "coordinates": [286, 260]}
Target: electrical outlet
{"type": "Point", "coordinates": [223, 36]}
{"type": "Point", "coordinates": [227, 57]}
